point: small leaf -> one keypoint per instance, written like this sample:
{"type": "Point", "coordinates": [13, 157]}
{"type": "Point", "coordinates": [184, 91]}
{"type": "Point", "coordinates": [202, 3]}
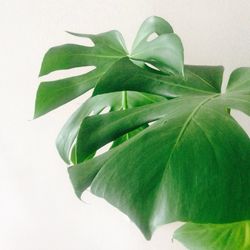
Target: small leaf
{"type": "Point", "coordinates": [164, 52]}
{"type": "Point", "coordinates": [73, 157]}
{"type": "Point", "coordinates": [234, 236]}
{"type": "Point", "coordinates": [237, 95]}
{"type": "Point", "coordinates": [240, 81]}
{"type": "Point", "coordinates": [153, 24]}
{"type": "Point", "coordinates": [191, 164]}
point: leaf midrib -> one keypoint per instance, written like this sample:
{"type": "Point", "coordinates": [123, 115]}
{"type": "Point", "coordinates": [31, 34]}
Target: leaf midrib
{"type": "Point", "coordinates": [97, 55]}
{"type": "Point", "coordinates": [203, 80]}
{"type": "Point", "coordinates": [180, 135]}
{"type": "Point", "coordinates": [186, 124]}
{"type": "Point", "coordinates": [177, 85]}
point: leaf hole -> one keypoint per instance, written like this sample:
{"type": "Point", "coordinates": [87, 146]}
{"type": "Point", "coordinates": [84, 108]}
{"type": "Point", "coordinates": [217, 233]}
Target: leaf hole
{"type": "Point", "coordinates": [151, 123]}
{"type": "Point", "coordinates": [103, 149]}
{"type": "Point", "coordinates": [87, 197]}
{"type": "Point", "coordinates": [243, 120]}
{"type": "Point", "coordinates": [65, 73]}
{"type": "Point", "coordinates": [105, 110]}
{"type": "Point", "coordinates": [78, 39]}
{"type": "Point", "coordinates": [151, 66]}
{"type": "Point", "coordinates": [87, 42]}
{"type": "Point", "coordinates": [91, 113]}
{"type": "Point", "coordinates": [152, 37]}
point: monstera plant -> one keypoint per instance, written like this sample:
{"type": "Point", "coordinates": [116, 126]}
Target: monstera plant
{"type": "Point", "coordinates": [174, 152]}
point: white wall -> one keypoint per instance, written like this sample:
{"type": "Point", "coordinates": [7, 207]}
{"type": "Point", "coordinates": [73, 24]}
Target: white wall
{"type": "Point", "coordinates": [38, 209]}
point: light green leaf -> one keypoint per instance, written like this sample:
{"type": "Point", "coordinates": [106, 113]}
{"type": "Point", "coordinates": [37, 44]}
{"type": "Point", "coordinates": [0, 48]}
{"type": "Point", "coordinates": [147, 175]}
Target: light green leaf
{"type": "Point", "coordinates": [234, 236]}
{"type": "Point", "coordinates": [73, 157]}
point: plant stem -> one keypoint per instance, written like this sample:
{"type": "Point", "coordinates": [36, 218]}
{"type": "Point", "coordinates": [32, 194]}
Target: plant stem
{"type": "Point", "coordinates": [124, 100]}
{"type": "Point", "coordinates": [125, 106]}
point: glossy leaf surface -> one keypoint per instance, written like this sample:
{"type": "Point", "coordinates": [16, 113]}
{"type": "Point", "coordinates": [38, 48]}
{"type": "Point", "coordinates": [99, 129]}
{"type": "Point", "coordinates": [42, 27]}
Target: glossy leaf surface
{"type": "Point", "coordinates": [193, 157]}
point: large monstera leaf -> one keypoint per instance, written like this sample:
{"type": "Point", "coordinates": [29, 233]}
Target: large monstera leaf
{"type": "Point", "coordinates": [192, 164]}
{"type": "Point", "coordinates": [177, 154]}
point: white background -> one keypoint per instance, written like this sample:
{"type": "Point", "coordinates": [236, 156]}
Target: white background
{"type": "Point", "coordinates": [38, 209]}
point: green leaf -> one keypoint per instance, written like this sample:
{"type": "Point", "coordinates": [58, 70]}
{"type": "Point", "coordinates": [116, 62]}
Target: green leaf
{"type": "Point", "coordinates": [127, 136]}
{"type": "Point", "coordinates": [68, 133]}
{"type": "Point", "coordinates": [238, 91]}
{"type": "Point", "coordinates": [111, 126]}
{"type": "Point", "coordinates": [164, 52]}
{"type": "Point", "coordinates": [125, 75]}
{"type": "Point", "coordinates": [172, 188]}
{"type": "Point", "coordinates": [73, 157]}
{"type": "Point", "coordinates": [153, 24]}
{"type": "Point", "coordinates": [109, 48]}
{"type": "Point", "coordinates": [134, 99]}
{"type": "Point", "coordinates": [176, 154]}
{"type": "Point", "coordinates": [94, 105]}
{"type": "Point", "coordinates": [82, 174]}
{"type": "Point", "coordinates": [194, 175]}
{"type": "Point", "coordinates": [237, 95]}
{"type": "Point", "coordinates": [234, 236]}
{"type": "Point", "coordinates": [240, 81]}
{"type": "Point", "coordinates": [209, 75]}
